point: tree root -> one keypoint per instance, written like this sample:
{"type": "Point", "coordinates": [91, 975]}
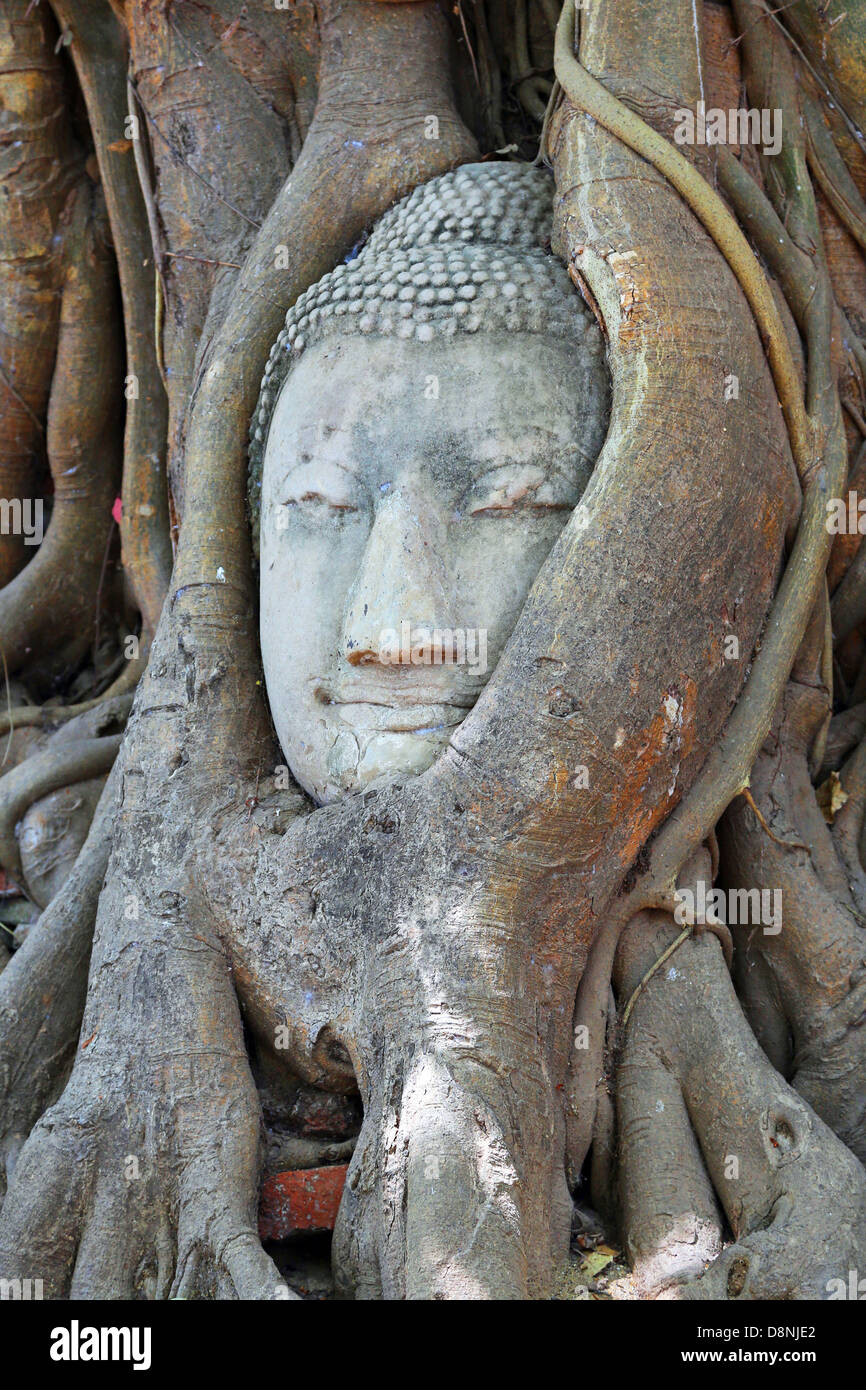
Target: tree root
{"type": "Point", "coordinates": [817, 961]}
{"type": "Point", "coordinates": [42, 992]}
{"type": "Point", "coordinates": [846, 730]}
{"type": "Point", "coordinates": [831, 174]}
{"type": "Point", "coordinates": [57, 594]}
{"type": "Point", "coordinates": [99, 53]}
{"type": "Point", "coordinates": [591, 96]}
{"type": "Point", "coordinates": [702, 1110]}
{"type": "Point", "coordinates": [818, 445]}
{"type": "Point", "coordinates": [42, 165]}
{"type": "Point", "coordinates": [59, 765]}
{"type": "Point", "coordinates": [51, 717]}
{"type": "Point", "coordinates": [157, 1132]}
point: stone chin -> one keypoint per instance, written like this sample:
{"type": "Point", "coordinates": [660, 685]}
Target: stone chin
{"type": "Point", "coordinates": [358, 761]}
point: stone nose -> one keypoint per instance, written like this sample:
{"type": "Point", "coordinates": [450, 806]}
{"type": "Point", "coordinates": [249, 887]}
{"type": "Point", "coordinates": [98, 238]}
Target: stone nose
{"type": "Point", "coordinates": [403, 588]}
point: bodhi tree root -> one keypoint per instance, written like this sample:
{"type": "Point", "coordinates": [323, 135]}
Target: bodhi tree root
{"type": "Point", "coordinates": [96, 43]}
{"type": "Point", "coordinates": [816, 963]}
{"type": "Point", "coordinates": [76, 760]}
{"type": "Point", "coordinates": [42, 992]}
{"type": "Point", "coordinates": [34, 793]}
{"type": "Point", "coordinates": [41, 166]}
{"type": "Point", "coordinates": [56, 595]}
{"type": "Point", "coordinates": [706, 1122]}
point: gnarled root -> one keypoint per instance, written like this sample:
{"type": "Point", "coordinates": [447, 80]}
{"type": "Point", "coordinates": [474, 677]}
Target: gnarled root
{"type": "Point", "coordinates": [40, 164]}
{"type": "Point", "coordinates": [56, 596]}
{"type": "Point", "coordinates": [439, 1202]}
{"type": "Point", "coordinates": [702, 1109]}
{"type": "Point", "coordinates": [78, 760]}
{"type": "Point", "coordinates": [432, 1174]}
{"type": "Point", "coordinates": [47, 801]}
{"type": "Point", "coordinates": [156, 1135]}
{"type": "Point", "coordinates": [456, 1188]}
{"type": "Point", "coordinates": [669, 1211]}
{"type": "Point", "coordinates": [155, 1199]}
{"type": "Point", "coordinates": [42, 992]}
{"type": "Point", "coordinates": [814, 956]}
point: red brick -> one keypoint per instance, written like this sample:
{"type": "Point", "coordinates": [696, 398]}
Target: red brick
{"type": "Point", "coordinates": [306, 1199]}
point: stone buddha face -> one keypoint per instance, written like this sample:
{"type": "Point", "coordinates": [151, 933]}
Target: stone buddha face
{"type": "Point", "coordinates": [412, 485]}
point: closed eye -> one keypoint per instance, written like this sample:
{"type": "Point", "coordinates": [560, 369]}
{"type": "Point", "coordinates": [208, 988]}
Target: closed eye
{"type": "Point", "coordinates": [314, 499]}
{"type": "Point", "coordinates": [521, 487]}
{"type": "Point", "coordinates": [321, 487]}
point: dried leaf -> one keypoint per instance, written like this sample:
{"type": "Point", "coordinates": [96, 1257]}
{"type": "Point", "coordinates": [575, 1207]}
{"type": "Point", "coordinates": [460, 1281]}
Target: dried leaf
{"type": "Point", "coordinates": [831, 797]}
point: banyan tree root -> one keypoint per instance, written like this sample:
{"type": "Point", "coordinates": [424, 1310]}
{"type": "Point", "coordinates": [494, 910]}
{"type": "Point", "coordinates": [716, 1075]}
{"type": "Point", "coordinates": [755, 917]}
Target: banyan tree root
{"type": "Point", "coordinates": [42, 992]}
{"type": "Point", "coordinates": [47, 806]}
{"type": "Point", "coordinates": [48, 613]}
{"type": "Point", "coordinates": [812, 956]}
{"type": "Point", "coordinates": [708, 1126]}
{"type": "Point", "coordinates": [96, 44]}
{"type": "Point", "coordinates": [40, 167]}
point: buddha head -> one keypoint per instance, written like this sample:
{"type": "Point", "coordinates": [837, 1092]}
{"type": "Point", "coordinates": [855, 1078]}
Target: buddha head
{"type": "Point", "coordinates": [428, 419]}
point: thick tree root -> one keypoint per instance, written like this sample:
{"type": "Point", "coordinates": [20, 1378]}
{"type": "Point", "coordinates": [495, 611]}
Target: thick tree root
{"type": "Point", "coordinates": [77, 760]}
{"type": "Point", "coordinates": [818, 445]}
{"type": "Point", "coordinates": [40, 166]}
{"type": "Point", "coordinates": [142, 1179]}
{"type": "Point", "coordinates": [456, 1188]}
{"type": "Point", "coordinates": [97, 46]}
{"type": "Point", "coordinates": [52, 604]}
{"type": "Point", "coordinates": [700, 1100]}
{"type": "Point", "coordinates": [815, 963]}
{"type": "Point", "coordinates": [42, 992]}
{"type": "Point", "coordinates": [437, 1194]}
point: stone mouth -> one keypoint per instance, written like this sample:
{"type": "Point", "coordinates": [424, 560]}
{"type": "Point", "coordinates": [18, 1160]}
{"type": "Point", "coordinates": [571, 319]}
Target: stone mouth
{"type": "Point", "coordinates": [409, 690]}
{"type": "Point", "coordinates": [402, 718]}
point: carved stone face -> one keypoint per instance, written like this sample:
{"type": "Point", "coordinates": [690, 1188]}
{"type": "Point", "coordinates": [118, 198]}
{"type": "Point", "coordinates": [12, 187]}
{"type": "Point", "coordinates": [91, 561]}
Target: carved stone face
{"type": "Point", "coordinates": [410, 495]}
